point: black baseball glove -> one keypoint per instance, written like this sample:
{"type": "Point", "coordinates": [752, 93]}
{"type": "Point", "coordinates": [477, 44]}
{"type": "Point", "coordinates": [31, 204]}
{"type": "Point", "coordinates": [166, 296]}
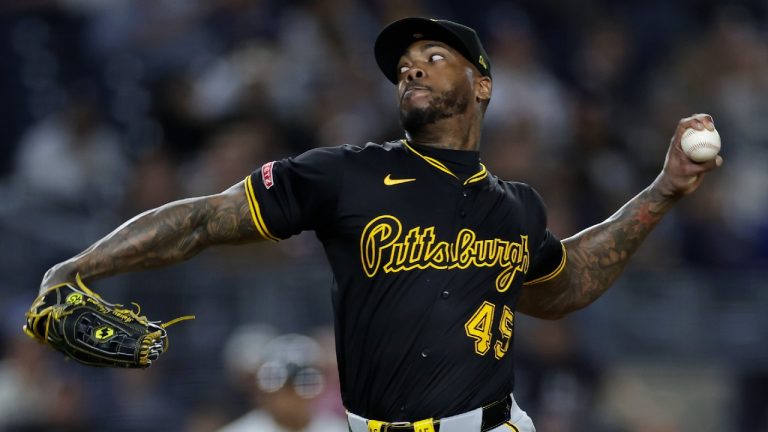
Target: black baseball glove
{"type": "Point", "coordinates": [79, 323]}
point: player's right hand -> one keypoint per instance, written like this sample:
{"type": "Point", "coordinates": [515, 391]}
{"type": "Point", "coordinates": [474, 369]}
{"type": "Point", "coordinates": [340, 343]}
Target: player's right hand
{"type": "Point", "coordinates": [680, 175]}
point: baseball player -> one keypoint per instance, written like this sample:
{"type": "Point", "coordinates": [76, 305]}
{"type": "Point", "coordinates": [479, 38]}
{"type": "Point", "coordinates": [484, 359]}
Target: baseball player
{"type": "Point", "coordinates": [433, 256]}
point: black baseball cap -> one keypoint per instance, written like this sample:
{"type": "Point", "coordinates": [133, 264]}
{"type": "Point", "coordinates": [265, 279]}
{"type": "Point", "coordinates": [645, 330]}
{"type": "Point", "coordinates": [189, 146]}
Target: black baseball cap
{"type": "Point", "coordinates": [398, 36]}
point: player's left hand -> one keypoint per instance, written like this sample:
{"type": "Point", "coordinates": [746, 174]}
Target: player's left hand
{"type": "Point", "coordinates": [79, 323]}
{"type": "Point", "coordinates": [681, 175]}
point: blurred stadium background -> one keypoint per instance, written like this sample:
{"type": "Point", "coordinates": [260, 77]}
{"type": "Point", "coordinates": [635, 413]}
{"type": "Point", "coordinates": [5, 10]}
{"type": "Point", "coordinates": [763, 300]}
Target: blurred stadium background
{"type": "Point", "coordinates": [112, 107]}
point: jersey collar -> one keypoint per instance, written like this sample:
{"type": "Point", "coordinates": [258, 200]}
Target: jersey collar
{"type": "Point", "coordinates": [474, 178]}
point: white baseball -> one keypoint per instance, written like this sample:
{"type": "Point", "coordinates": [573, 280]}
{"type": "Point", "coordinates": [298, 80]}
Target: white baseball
{"type": "Point", "coordinates": [700, 145]}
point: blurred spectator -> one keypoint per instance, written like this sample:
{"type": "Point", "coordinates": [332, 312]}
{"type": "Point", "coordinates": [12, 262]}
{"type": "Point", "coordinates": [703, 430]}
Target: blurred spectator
{"type": "Point", "coordinates": [233, 21]}
{"type": "Point", "coordinates": [599, 160]}
{"type": "Point", "coordinates": [166, 35]}
{"type": "Point", "coordinates": [603, 59]}
{"type": "Point", "coordinates": [72, 159]}
{"type": "Point", "coordinates": [329, 400]}
{"type": "Point", "coordinates": [138, 403]}
{"type": "Point", "coordinates": [649, 396]}
{"type": "Point", "coordinates": [524, 90]}
{"type": "Point", "coordinates": [35, 395]}
{"type": "Point", "coordinates": [184, 127]}
{"type": "Point", "coordinates": [286, 383]}
{"type": "Point", "coordinates": [153, 182]}
{"type": "Point", "coordinates": [324, 71]}
{"type": "Point", "coordinates": [242, 356]}
{"type": "Point", "coordinates": [232, 153]}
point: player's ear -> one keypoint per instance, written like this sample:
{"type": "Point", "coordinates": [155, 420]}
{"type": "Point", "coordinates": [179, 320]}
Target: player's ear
{"type": "Point", "coordinates": [483, 88]}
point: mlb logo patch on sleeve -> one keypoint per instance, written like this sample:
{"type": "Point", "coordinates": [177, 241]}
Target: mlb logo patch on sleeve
{"type": "Point", "coordinates": [266, 175]}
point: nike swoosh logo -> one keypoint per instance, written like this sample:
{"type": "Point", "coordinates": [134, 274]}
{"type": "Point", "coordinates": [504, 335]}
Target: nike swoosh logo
{"type": "Point", "coordinates": [389, 181]}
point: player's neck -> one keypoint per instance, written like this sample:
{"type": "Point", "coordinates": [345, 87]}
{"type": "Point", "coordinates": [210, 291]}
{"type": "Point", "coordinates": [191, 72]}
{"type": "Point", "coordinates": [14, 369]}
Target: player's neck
{"type": "Point", "coordinates": [454, 133]}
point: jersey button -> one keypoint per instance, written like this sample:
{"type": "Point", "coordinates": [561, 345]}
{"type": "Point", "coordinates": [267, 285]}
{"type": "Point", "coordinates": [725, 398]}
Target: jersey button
{"type": "Point", "coordinates": [425, 353]}
{"type": "Point", "coordinates": [465, 194]}
{"type": "Point", "coordinates": [462, 213]}
{"type": "Point", "coordinates": [445, 294]}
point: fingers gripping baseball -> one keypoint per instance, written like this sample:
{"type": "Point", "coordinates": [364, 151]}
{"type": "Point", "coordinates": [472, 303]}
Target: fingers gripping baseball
{"type": "Point", "coordinates": [682, 174]}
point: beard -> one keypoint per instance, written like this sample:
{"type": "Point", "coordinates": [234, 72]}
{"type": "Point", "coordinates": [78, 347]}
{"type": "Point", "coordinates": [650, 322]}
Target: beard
{"type": "Point", "coordinates": [443, 106]}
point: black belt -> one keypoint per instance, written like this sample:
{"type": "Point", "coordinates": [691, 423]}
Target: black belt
{"type": "Point", "coordinates": [494, 415]}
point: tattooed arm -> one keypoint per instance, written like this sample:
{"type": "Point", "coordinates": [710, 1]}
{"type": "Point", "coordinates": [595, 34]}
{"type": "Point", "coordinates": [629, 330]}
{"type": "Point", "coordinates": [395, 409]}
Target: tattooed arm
{"type": "Point", "coordinates": [598, 255]}
{"type": "Point", "coordinates": [168, 234]}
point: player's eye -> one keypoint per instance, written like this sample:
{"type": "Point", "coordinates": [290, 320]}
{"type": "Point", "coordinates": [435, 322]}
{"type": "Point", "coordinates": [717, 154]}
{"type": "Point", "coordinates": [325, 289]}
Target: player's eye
{"type": "Point", "coordinates": [403, 69]}
{"type": "Point", "coordinates": [436, 57]}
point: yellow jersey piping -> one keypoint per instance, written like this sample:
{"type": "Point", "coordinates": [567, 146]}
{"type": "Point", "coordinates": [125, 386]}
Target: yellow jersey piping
{"type": "Point", "coordinates": [554, 273]}
{"type": "Point", "coordinates": [478, 176]}
{"type": "Point", "coordinates": [483, 173]}
{"type": "Point", "coordinates": [511, 426]}
{"type": "Point", "coordinates": [253, 204]}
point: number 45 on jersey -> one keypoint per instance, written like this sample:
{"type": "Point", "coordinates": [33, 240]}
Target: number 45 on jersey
{"type": "Point", "coordinates": [480, 328]}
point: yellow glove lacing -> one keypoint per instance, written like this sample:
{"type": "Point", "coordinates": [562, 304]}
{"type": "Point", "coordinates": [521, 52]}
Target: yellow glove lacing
{"type": "Point", "coordinates": [57, 311]}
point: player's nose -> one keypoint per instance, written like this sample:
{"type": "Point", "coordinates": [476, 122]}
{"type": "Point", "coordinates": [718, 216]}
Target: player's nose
{"type": "Point", "coordinates": [414, 73]}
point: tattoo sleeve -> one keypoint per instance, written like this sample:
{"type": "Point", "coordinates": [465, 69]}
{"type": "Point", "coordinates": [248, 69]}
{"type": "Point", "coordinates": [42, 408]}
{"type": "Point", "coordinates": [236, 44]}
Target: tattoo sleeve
{"type": "Point", "coordinates": [596, 258]}
{"type": "Point", "coordinates": [168, 234]}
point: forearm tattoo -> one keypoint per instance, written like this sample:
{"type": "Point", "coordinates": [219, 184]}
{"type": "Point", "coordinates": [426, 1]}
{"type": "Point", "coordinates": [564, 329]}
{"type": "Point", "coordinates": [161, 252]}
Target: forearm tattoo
{"type": "Point", "coordinates": [596, 258]}
{"type": "Point", "coordinates": [172, 233]}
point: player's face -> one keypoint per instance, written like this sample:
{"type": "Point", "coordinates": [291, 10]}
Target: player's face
{"type": "Point", "coordinates": [435, 82]}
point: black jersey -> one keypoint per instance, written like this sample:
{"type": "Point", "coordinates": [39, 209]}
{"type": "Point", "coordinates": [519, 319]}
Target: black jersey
{"type": "Point", "coordinates": [428, 266]}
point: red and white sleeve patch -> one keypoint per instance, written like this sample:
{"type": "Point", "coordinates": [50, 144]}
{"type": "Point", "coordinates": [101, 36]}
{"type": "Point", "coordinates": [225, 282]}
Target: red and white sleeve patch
{"type": "Point", "coordinates": [266, 175]}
